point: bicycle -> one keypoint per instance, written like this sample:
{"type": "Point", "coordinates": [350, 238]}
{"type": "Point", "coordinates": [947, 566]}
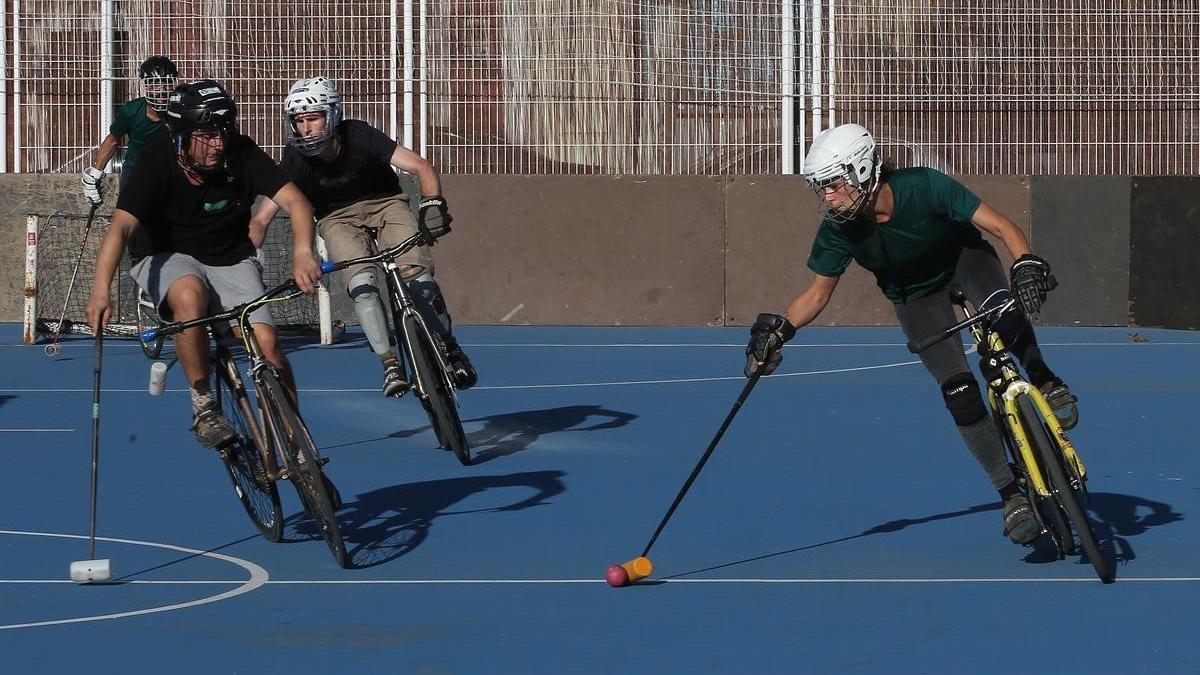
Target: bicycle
{"type": "Point", "coordinates": [422, 349]}
{"type": "Point", "coordinates": [1049, 469]}
{"type": "Point", "coordinates": [274, 435]}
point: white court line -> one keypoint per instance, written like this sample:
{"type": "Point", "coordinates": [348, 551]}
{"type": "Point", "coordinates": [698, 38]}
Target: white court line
{"type": "Point", "coordinates": [748, 580]}
{"type": "Point", "coordinates": [30, 431]}
{"type": "Point", "coordinates": [258, 577]}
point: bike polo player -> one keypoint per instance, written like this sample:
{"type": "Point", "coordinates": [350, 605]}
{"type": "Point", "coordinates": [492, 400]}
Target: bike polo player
{"type": "Point", "coordinates": [918, 231]}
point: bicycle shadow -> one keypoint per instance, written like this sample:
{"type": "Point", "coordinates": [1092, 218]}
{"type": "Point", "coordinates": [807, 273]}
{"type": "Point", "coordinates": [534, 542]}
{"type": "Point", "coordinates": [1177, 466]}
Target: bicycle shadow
{"type": "Point", "coordinates": [5, 398]}
{"type": "Point", "coordinates": [1115, 518]}
{"type": "Point", "coordinates": [888, 527]}
{"type": "Point", "coordinates": [385, 524]}
{"type": "Point", "coordinates": [509, 433]}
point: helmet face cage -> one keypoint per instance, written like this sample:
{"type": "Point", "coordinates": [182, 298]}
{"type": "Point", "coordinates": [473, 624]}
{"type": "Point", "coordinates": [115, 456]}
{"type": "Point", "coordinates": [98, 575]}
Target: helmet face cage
{"type": "Point", "coordinates": [312, 95]}
{"type": "Point", "coordinates": [844, 158]}
{"type": "Point", "coordinates": [158, 77]}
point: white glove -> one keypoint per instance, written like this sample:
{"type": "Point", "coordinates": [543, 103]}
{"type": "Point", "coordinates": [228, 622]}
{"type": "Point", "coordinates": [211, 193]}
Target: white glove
{"type": "Point", "coordinates": [91, 184]}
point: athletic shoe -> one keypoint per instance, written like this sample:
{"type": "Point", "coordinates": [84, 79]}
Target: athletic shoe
{"type": "Point", "coordinates": [1019, 524]}
{"type": "Point", "coordinates": [1062, 401]}
{"type": "Point", "coordinates": [394, 384]}
{"type": "Point", "coordinates": [211, 427]}
{"type": "Point", "coordinates": [464, 373]}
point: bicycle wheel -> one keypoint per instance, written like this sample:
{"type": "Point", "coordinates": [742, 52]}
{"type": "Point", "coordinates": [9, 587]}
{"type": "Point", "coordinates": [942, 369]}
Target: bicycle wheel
{"type": "Point", "coordinates": [1065, 492]}
{"type": "Point", "coordinates": [147, 317]}
{"type": "Point", "coordinates": [296, 446]}
{"type": "Point", "coordinates": [244, 460]}
{"type": "Point", "coordinates": [437, 398]}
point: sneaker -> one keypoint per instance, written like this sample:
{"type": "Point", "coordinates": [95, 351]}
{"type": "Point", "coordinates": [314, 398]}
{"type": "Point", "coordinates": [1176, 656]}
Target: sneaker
{"type": "Point", "coordinates": [1062, 401]}
{"type": "Point", "coordinates": [1019, 524]}
{"type": "Point", "coordinates": [211, 427]}
{"type": "Point", "coordinates": [464, 373]}
{"type": "Point", "coordinates": [394, 383]}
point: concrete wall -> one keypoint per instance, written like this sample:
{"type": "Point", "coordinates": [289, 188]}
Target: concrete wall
{"type": "Point", "coordinates": [686, 250]}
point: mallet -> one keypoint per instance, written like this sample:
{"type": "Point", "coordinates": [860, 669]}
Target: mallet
{"type": "Point", "coordinates": [640, 567]}
{"type": "Point", "coordinates": [92, 569]}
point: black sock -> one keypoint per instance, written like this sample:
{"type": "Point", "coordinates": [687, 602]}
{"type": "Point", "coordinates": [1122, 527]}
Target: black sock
{"type": "Point", "coordinates": [1009, 491]}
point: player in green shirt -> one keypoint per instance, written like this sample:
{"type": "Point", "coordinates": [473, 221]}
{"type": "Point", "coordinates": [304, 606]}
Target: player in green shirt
{"type": "Point", "coordinates": [140, 120]}
{"type": "Point", "coordinates": [918, 230]}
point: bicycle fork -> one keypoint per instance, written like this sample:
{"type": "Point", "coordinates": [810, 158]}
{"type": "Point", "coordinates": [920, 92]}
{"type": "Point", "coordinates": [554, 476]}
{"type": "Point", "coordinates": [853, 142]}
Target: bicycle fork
{"type": "Point", "coordinates": [403, 306]}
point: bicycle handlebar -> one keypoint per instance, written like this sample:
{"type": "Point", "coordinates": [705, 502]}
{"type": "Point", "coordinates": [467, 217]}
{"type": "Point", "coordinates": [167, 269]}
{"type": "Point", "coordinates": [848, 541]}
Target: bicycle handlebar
{"type": "Point", "coordinates": [391, 253]}
{"type": "Point", "coordinates": [169, 329]}
{"type": "Point", "coordinates": [985, 315]}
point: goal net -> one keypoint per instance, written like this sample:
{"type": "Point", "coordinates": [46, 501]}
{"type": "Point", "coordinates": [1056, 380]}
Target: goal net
{"type": "Point", "coordinates": [53, 244]}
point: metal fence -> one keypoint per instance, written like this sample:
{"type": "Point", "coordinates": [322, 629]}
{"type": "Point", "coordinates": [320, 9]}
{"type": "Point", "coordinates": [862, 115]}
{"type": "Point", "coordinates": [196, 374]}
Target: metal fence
{"type": "Point", "coordinates": [643, 86]}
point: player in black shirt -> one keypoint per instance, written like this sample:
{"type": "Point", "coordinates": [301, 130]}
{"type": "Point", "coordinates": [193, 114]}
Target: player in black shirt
{"type": "Point", "coordinates": [185, 215]}
{"type": "Point", "coordinates": [345, 168]}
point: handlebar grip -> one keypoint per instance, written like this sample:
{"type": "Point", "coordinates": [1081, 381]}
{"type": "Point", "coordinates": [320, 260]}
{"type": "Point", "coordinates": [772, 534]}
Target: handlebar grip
{"type": "Point", "coordinates": [1051, 282]}
{"type": "Point", "coordinates": [328, 266]}
{"type": "Point", "coordinates": [149, 335]}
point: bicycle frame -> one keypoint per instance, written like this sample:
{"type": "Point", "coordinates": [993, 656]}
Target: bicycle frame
{"type": "Point", "coordinates": [1005, 386]}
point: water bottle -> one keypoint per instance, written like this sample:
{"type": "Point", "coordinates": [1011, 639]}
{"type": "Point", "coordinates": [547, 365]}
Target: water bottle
{"type": "Point", "coordinates": [158, 377]}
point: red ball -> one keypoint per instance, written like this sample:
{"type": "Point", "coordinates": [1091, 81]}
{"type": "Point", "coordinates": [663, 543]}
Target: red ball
{"type": "Point", "coordinates": [616, 576]}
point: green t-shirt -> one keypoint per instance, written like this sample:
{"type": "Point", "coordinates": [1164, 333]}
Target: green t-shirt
{"type": "Point", "coordinates": [914, 253]}
{"type": "Point", "coordinates": [131, 121]}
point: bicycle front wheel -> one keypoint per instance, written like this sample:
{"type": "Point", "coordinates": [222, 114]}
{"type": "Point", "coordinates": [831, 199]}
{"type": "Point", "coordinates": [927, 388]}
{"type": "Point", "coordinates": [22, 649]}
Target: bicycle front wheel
{"type": "Point", "coordinates": [436, 395]}
{"type": "Point", "coordinates": [244, 459]}
{"type": "Point", "coordinates": [147, 317]}
{"type": "Point", "coordinates": [1065, 486]}
{"type": "Point", "coordinates": [295, 445]}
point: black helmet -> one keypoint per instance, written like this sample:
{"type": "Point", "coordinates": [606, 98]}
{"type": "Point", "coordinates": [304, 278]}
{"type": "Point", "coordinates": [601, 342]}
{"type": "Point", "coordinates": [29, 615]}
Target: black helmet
{"type": "Point", "coordinates": [203, 104]}
{"type": "Point", "coordinates": [157, 66]}
{"type": "Point", "coordinates": [158, 77]}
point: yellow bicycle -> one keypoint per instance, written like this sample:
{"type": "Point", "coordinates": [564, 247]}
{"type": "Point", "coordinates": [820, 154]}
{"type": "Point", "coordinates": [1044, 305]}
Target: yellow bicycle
{"type": "Point", "coordinates": [1049, 469]}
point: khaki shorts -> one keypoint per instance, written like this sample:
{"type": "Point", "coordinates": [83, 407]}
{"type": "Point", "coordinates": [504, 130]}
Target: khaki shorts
{"type": "Point", "coordinates": [345, 234]}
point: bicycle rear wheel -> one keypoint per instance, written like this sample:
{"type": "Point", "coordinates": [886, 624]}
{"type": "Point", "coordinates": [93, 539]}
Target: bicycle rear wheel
{"type": "Point", "coordinates": [1067, 491]}
{"type": "Point", "coordinates": [296, 446]}
{"type": "Point", "coordinates": [437, 397]}
{"type": "Point", "coordinates": [244, 459]}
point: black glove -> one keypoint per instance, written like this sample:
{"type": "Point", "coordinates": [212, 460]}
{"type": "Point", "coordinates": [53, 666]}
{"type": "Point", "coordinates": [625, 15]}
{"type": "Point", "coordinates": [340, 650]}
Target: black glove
{"type": "Point", "coordinates": [1031, 279]}
{"type": "Point", "coordinates": [433, 219]}
{"type": "Point", "coordinates": [767, 336]}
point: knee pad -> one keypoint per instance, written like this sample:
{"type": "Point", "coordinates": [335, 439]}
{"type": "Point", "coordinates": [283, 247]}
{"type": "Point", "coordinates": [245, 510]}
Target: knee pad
{"type": "Point", "coordinates": [431, 298]}
{"type": "Point", "coordinates": [963, 399]}
{"type": "Point", "coordinates": [363, 287]}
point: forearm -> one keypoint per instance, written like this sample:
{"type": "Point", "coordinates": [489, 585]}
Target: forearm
{"type": "Point", "coordinates": [105, 152]}
{"type": "Point", "coordinates": [806, 307]}
{"type": "Point", "coordinates": [993, 222]}
{"type": "Point", "coordinates": [429, 181]}
{"type": "Point", "coordinates": [261, 221]}
{"type": "Point", "coordinates": [108, 258]}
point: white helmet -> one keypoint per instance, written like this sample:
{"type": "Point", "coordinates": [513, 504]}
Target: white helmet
{"type": "Point", "coordinates": [316, 94]}
{"type": "Point", "coordinates": [845, 155]}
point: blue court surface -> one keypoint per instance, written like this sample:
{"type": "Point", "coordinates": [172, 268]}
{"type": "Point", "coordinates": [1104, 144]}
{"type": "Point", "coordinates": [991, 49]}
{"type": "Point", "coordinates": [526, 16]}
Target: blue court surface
{"type": "Point", "coordinates": [840, 527]}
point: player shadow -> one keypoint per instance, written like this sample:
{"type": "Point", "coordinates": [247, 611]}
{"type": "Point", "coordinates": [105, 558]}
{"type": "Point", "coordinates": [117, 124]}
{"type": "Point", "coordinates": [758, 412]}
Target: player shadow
{"type": "Point", "coordinates": [5, 398]}
{"type": "Point", "coordinates": [1115, 518]}
{"type": "Point", "coordinates": [382, 525]}
{"type": "Point", "coordinates": [509, 433]}
{"type": "Point", "coordinates": [890, 526]}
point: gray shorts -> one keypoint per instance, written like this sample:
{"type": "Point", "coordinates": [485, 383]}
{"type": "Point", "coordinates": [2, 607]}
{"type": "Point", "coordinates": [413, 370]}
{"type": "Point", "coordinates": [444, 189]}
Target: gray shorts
{"type": "Point", "coordinates": [228, 285]}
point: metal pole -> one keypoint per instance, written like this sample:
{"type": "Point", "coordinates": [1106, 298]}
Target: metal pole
{"type": "Point", "coordinates": [106, 70]}
{"type": "Point", "coordinates": [3, 91]}
{"type": "Point", "coordinates": [16, 86]}
{"type": "Point", "coordinates": [816, 67]}
{"type": "Point", "coordinates": [423, 99]}
{"type": "Point", "coordinates": [830, 79]}
{"type": "Point", "coordinates": [802, 119]}
{"type": "Point", "coordinates": [393, 73]}
{"type": "Point", "coordinates": [408, 74]}
{"type": "Point", "coordinates": [787, 91]}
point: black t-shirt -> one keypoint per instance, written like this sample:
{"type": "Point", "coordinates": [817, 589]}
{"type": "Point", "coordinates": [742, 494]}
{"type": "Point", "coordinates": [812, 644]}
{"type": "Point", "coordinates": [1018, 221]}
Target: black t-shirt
{"type": "Point", "coordinates": [210, 222]}
{"type": "Point", "coordinates": [362, 170]}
